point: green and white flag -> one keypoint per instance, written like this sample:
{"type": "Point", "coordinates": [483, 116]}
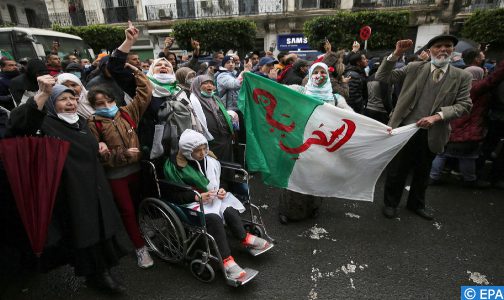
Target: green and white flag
{"type": "Point", "coordinates": [307, 146]}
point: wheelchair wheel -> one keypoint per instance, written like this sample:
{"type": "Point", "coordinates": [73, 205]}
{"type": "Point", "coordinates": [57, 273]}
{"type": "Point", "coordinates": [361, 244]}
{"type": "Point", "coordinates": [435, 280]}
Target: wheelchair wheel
{"type": "Point", "coordinates": [162, 230]}
{"type": "Point", "coordinates": [254, 229]}
{"type": "Point", "coordinates": [206, 274]}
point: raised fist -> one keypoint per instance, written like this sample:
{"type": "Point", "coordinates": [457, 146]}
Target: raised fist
{"type": "Point", "coordinates": [402, 46]}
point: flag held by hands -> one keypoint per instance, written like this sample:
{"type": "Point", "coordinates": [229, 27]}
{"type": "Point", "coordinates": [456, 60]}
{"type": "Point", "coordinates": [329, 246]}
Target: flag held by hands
{"type": "Point", "coordinates": [307, 146]}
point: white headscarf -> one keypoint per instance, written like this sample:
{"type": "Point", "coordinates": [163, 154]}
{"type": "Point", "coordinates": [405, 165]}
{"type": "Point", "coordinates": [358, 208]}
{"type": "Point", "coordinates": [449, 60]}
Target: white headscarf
{"type": "Point", "coordinates": [190, 140]}
{"type": "Point", "coordinates": [159, 89]}
{"type": "Point", "coordinates": [323, 92]}
{"type": "Point", "coordinates": [84, 109]}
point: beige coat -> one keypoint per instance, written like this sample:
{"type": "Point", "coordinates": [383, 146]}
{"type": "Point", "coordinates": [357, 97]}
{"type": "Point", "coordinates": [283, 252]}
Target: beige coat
{"type": "Point", "coordinates": [453, 100]}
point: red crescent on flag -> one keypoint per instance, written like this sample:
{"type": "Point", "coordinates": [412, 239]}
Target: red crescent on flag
{"type": "Point", "coordinates": [270, 109]}
{"type": "Point", "coordinates": [321, 139]}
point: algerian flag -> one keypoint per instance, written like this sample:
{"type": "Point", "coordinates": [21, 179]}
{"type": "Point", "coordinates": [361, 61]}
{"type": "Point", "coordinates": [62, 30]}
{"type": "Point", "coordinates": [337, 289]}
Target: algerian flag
{"type": "Point", "coordinates": [307, 146]}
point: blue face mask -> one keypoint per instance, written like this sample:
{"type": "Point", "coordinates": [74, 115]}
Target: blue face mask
{"type": "Point", "coordinates": [107, 112]}
{"type": "Point", "coordinates": [77, 74]}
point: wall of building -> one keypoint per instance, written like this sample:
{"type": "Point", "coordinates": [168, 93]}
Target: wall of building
{"type": "Point", "coordinates": [20, 10]}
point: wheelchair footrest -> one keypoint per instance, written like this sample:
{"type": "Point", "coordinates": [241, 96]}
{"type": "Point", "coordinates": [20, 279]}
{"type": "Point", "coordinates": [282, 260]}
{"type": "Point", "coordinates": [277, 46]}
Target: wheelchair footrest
{"type": "Point", "coordinates": [256, 252]}
{"type": "Point", "coordinates": [250, 274]}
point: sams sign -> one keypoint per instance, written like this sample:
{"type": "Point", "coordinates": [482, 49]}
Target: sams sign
{"type": "Point", "coordinates": [292, 42]}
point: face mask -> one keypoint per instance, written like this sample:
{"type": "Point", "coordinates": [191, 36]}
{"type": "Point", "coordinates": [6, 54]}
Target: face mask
{"type": "Point", "coordinates": [77, 74]}
{"type": "Point", "coordinates": [107, 112]}
{"type": "Point", "coordinates": [205, 94]}
{"type": "Point", "coordinates": [165, 78]}
{"type": "Point", "coordinates": [70, 118]}
{"type": "Point", "coordinates": [319, 79]}
{"type": "Point", "coordinates": [145, 72]}
{"type": "Point", "coordinates": [440, 62]}
{"type": "Point", "coordinates": [189, 81]}
{"type": "Point", "coordinates": [11, 74]}
{"type": "Point", "coordinates": [87, 66]}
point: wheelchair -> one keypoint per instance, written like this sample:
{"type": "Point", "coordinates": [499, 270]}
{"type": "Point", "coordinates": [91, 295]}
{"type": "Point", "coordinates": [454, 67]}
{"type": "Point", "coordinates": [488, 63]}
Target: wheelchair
{"type": "Point", "coordinates": [178, 234]}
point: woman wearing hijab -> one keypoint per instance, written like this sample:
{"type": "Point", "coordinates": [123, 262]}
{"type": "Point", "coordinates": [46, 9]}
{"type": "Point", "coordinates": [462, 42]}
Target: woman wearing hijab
{"type": "Point", "coordinates": [84, 109]}
{"type": "Point", "coordinates": [165, 94]}
{"type": "Point", "coordinates": [185, 77]}
{"type": "Point", "coordinates": [85, 219]}
{"type": "Point", "coordinates": [216, 122]}
{"type": "Point", "coordinates": [196, 166]}
{"type": "Point", "coordinates": [319, 87]}
{"type": "Point", "coordinates": [295, 206]}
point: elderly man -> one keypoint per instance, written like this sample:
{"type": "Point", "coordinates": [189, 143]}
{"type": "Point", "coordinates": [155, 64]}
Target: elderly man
{"type": "Point", "coordinates": [433, 93]}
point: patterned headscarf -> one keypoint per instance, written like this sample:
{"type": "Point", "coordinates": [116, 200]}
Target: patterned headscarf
{"type": "Point", "coordinates": [322, 92]}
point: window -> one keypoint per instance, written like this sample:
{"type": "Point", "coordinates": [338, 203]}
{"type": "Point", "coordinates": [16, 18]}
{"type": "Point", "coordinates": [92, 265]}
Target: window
{"type": "Point", "coordinates": [13, 14]}
{"type": "Point", "coordinates": [5, 45]}
{"type": "Point", "coordinates": [31, 17]}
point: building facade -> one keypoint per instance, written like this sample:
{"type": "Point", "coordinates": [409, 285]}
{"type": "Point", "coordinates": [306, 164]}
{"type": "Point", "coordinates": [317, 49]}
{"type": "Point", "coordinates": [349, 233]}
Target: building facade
{"type": "Point", "coordinates": [273, 17]}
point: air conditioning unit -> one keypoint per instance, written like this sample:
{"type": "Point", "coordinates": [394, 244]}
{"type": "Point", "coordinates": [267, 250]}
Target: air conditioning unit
{"type": "Point", "coordinates": [207, 5]}
{"type": "Point", "coordinates": [163, 16]}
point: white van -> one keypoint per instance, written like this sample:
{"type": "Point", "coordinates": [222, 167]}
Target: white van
{"type": "Point", "coordinates": [18, 42]}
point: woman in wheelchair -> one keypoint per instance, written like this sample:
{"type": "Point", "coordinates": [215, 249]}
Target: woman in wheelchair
{"type": "Point", "coordinates": [198, 167]}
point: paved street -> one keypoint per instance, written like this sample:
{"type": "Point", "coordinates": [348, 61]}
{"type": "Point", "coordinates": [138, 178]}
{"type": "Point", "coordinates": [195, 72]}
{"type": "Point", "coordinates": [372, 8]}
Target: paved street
{"type": "Point", "coordinates": [349, 252]}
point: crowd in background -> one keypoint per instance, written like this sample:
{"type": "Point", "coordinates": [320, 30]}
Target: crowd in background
{"type": "Point", "coordinates": [120, 100]}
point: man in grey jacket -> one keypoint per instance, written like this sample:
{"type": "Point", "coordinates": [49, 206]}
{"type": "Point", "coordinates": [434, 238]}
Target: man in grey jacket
{"type": "Point", "coordinates": [433, 93]}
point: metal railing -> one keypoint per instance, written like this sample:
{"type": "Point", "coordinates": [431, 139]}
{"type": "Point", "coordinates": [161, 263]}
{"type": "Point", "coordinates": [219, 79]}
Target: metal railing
{"type": "Point", "coordinates": [119, 14]}
{"type": "Point", "coordinates": [471, 6]}
{"type": "Point", "coordinates": [78, 18]}
{"type": "Point", "coordinates": [119, 11]}
{"type": "Point", "coordinates": [392, 3]}
{"type": "Point", "coordinates": [318, 4]}
{"type": "Point", "coordinates": [213, 8]}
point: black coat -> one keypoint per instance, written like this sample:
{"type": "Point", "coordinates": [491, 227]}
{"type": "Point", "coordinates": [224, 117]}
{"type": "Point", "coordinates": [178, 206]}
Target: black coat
{"type": "Point", "coordinates": [28, 80]}
{"type": "Point", "coordinates": [84, 198]}
{"type": "Point", "coordinates": [358, 93]}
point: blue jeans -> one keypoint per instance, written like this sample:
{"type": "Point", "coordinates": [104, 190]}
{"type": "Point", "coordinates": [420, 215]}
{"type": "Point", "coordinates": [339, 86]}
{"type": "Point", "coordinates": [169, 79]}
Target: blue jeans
{"type": "Point", "coordinates": [467, 167]}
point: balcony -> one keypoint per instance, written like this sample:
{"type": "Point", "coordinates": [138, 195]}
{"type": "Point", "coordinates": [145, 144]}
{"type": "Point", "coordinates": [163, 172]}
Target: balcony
{"type": "Point", "coordinates": [77, 18]}
{"type": "Point", "coordinates": [213, 9]}
{"type": "Point", "coordinates": [471, 6]}
{"type": "Point", "coordinates": [318, 4]}
{"type": "Point", "coordinates": [119, 11]}
{"type": "Point", "coordinates": [392, 3]}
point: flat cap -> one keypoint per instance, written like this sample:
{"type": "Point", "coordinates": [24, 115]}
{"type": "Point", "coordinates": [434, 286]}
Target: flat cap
{"type": "Point", "coordinates": [442, 37]}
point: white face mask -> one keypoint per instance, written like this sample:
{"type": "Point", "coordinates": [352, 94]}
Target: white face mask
{"type": "Point", "coordinates": [440, 62]}
{"type": "Point", "coordinates": [70, 118]}
{"type": "Point", "coordinates": [165, 77]}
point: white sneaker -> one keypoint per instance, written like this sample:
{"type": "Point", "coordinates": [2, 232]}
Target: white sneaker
{"type": "Point", "coordinates": [232, 269]}
{"type": "Point", "coordinates": [254, 242]}
{"type": "Point", "coordinates": [144, 259]}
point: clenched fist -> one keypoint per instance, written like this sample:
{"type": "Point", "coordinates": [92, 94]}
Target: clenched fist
{"type": "Point", "coordinates": [402, 46]}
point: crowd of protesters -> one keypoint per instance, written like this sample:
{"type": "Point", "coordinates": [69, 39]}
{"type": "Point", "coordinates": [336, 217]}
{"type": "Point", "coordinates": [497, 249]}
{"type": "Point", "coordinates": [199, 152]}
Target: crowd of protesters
{"type": "Point", "coordinates": [109, 110]}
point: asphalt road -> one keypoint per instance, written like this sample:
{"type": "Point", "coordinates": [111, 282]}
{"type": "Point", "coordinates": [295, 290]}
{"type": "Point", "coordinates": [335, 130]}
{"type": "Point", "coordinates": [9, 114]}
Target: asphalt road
{"type": "Point", "coordinates": [349, 252]}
